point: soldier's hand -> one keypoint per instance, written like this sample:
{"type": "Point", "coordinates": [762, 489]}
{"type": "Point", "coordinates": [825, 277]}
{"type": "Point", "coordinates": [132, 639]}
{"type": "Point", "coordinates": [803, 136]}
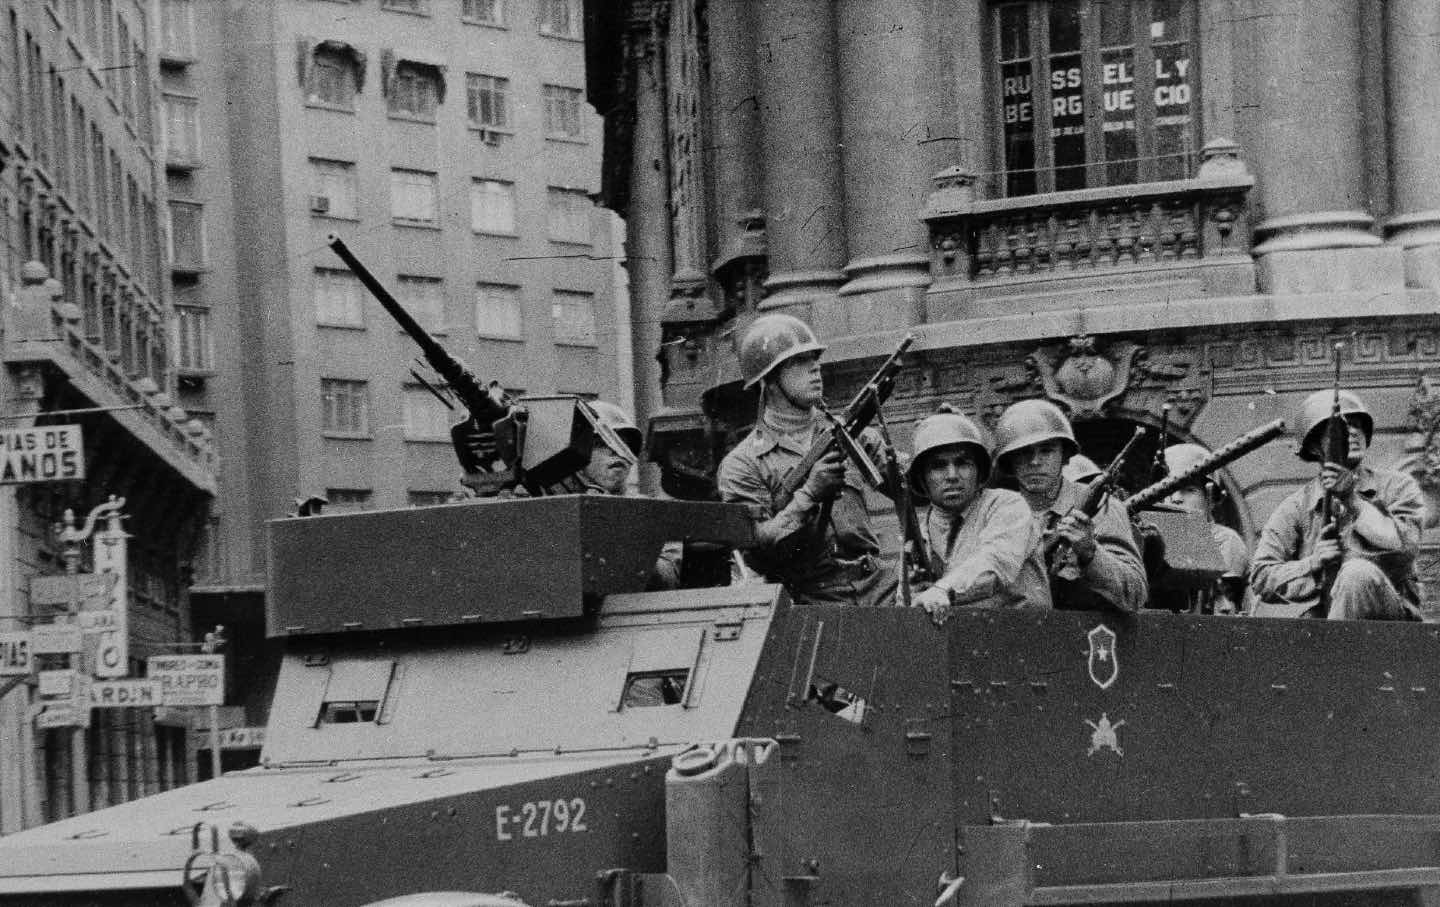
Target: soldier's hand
{"type": "Point", "coordinates": [1078, 529]}
{"type": "Point", "coordinates": [827, 477]}
{"type": "Point", "coordinates": [936, 602]}
{"type": "Point", "coordinates": [1338, 480]}
{"type": "Point", "coordinates": [474, 446]}
{"type": "Point", "coordinates": [1327, 547]}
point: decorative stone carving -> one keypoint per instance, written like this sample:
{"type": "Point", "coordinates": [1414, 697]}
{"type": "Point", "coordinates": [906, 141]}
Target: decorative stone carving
{"type": "Point", "coordinates": [1423, 461]}
{"type": "Point", "coordinates": [1084, 381]}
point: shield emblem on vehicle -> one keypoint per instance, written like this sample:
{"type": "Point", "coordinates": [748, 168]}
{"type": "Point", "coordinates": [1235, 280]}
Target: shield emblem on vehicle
{"type": "Point", "coordinates": [1104, 663]}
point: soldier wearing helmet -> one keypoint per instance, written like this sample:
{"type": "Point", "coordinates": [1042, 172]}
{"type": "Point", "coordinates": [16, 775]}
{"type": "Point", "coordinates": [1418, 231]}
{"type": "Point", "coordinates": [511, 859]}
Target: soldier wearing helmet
{"type": "Point", "coordinates": [608, 471]}
{"type": "Point", "coordinates": [1365, 554]}
{"type": "Point", "coordinates": [1229, 594]}
{"type": "Point", "coordinates": [1033, 442]}
{"type": "Point", "coordinates": [819, 544]}
{"type": "Point", "coordinates": [980, 542]}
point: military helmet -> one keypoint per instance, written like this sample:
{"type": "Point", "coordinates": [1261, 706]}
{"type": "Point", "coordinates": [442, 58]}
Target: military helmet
{"type": "Point", "coordinates": [946, 429]}
{"type": "Point", "coordinates": [1080, 468]}
{"type": "Point", "coordinates": [1033, 422]}
{"type": "Point", "coordinates": [772, 339]}
{"type": "Point", "coordinates": [243, 834]}
{"type": "Point", "coordinates": [1180, 457]}
{"type": "Point", "coordinates": [1316, 409]}
{"type": "Point", "coordinates": [619, 420]}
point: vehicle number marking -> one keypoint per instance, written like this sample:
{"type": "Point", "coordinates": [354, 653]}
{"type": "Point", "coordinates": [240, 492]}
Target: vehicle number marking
{"type": "Point", "coordinates": [540, 818]}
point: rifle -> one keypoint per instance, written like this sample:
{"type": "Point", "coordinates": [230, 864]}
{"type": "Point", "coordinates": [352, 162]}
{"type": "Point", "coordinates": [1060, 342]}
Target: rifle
{"type": "Point", "coordinates": [912, 544]}
{"type": "Point", "coordinates": [1334, 449]}
{"type": "Point", "coordinates": [858, 415]}
{"type": "Point", "coordinates": [1056, 548]}
{"type": "Point", "coordinates": [1242, 445]}
{"type": "Point", "coordinates": [1159, 470]}
{"type": "Point", "coordinates": [484, 410]}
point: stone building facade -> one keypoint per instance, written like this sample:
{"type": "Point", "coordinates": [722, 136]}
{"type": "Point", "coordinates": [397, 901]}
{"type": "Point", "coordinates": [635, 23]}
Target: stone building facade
{"type": "Point", "coordinates": [1110, 205]}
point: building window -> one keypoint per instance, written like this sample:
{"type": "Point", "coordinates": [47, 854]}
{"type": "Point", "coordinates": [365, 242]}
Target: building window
{"type": "Point", "coordinates": [430, 498]}
{"type": "Point", "coordinates": [1133, 62]}
{"type": "Point", "coordinates": [412, 196]}
{"type": "Point", "coordinates": [351, 500]}
{"type": "Point", "coordinates": [569, 213]}
{"type": "Point", "coordinates": [559, 18]}
{"type": "Point", "coordinates": [574, 317]}
{"type": "Point", "coordinates": [177, 29]}
{"type": "Point", "coordinates": [337, 299]}
{"type": "Point", "coordinates": [424, 298]}
{"type": "Point", "coordinates": [562, 112]}
{"type": "Point", "coordinates": [499, 312]}
{"type": "Point", "coordinates": [485, 101]}
{"type": "Point", "coordinates": [187, 235]}
{"type": "Point", "coordinates": [426, 418]}
{"type": "Point", "coordinates": [414, 91]}
{"type": "Point", "coordinates": [332, 78]}
{"type": "Point", "coordinates": [492, 207]}
{"type": "Point", "coordinates": [196, 351]}
{"type": "Point", "coordinates": [182, 132]}
{"type": "Point", "coordinates": [486, 12]}
{"type": "Point", "coordinates": [344, 408]}
{"type": "Point", "coordinates": [335, 189]}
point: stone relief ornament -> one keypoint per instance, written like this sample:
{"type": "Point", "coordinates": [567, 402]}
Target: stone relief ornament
{"type": "Point", "coordinates": [1085, 381]}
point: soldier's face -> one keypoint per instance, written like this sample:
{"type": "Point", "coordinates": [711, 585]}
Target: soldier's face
{"type": "Point", "coordinates": [1358, 444]}
{"type": "Point", "coordinates": [952, 478]}
{"type": "Point", "coordinates": [607, 469]}
{"type": "Point", "coordinates": [1189, 499]}
{"type": "Point", "coordinates": [1037, 467]}
{"type": "Point", "coordinates": [799, 380]}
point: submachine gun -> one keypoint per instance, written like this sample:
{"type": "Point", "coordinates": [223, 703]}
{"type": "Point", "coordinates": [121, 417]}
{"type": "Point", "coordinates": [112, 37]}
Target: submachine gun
{"type": "Point", "coordinates": [1057, 549]}
{"type": "Point", "coordinates": [541, 442]}
{"type": "Point", "coordinates": [842, 432]}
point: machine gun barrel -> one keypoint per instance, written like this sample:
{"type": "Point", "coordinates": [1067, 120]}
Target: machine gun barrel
{"type": "Point", "coordinates": [858, 415]}
{"type": "Point", "coordinates": [484, 409]}
{"type": "Point", "coordinates": [1244, 444]}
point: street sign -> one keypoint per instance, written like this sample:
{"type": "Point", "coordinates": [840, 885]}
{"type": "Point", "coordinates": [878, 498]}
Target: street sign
{"type": "Point", "coordinates": [89, 590]}
{"type": "Point", "coordinates": [189, 679]}
{"type": "Point", "coordinates": [122, 694]}
{"type": "Point", "coordinates": [57, 684]}
{"type": "Point", "coordinates": [57, 716]}
{"type": "Point", "coordinates": [55, 639]}
{"type": "Point", "coordinates": [112, 656]}
{"type": "Point", "coordinates": [14, 654]}
{"type": "Point", "coordinates": [234, 738]}
{"type": "Point", "coordinates": [44, 453]}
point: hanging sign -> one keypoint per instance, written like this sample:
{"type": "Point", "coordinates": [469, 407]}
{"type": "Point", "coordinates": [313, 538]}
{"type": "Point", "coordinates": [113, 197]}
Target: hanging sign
{"type": "Point", "coordinates": [189, 679]}
{"type": "Point", "coordinates": [43, 453]}
{"type": "Point", "coordinates": [14, 654]}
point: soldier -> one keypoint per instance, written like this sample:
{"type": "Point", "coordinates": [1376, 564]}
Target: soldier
{"type": "Point", "coordinates": [608, 471]}
{"type": "Point", "coordinates": [819, 544]}
{"type": "Point", "coordinates": [980, 543]}
{"type": "Point", "coordinates": [1033, 442]}
{"type": "Point", "coordinates": [1229, 594]}
{"type": "Point", "coordinates": [1366, 552]}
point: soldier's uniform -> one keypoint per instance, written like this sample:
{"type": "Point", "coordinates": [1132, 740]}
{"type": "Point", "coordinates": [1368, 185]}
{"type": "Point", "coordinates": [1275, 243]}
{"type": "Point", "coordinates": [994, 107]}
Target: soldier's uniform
{"type": "Point", "coordinates": [1115, 577]}
{"type": "Point", "coordinates": [988, 555]}
{"type": "Point", "coordinates": [821, 551]}
{"type": "Point", "coordinates": [1380, 540]}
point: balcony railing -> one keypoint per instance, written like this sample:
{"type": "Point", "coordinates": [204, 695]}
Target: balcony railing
{"type": "Point", "coordinates": [1051, 242]}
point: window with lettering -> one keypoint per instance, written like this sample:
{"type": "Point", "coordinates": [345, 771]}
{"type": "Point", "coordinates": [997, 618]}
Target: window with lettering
{"type": "Point", "coordinates": [1095, 92]}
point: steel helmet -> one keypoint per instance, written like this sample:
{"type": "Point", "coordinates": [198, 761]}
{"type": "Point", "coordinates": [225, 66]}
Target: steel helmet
{"type": "Point", "coordinates": [946, 429]}
{"type": "Point", "coordinates": [1032, 422]}
{"type": "Point", "coordinates": [770, 340]}
{"type": "Point", "coordinates": [243, 834]}
{"type": "Point", "coordinates": [619, 420]}
{"type": "Point", "coordinates": [1180, 457]}
{"type": "Point", "coordinates": [1080, 468]}
{"type": "Point", "coordinates": [1316, 409]}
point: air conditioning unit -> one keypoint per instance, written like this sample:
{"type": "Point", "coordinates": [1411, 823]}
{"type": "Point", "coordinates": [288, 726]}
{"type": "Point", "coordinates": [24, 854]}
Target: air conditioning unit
{"type": "Point", "coordinates": [489, 136]}
{"type": "Point", "coordinates": [319, 204]}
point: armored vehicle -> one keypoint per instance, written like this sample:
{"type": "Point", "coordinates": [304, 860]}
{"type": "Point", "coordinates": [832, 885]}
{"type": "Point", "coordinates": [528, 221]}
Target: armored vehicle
{"type": "Point", "coordinates": [480, 704]}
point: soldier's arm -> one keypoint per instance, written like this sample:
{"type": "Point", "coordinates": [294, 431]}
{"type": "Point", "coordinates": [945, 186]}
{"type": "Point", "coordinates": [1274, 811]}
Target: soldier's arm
{"type": "Point", "coordinates": [1116, 572]}
{"type": "Point", "coordinates": [1279, 571]}
{"type": "Point", "coordinates": [1006, 537]}
{"type": "Point", "coordinates": [739, 481]}
{"type": "Point", "coordinates": [1393, 521]}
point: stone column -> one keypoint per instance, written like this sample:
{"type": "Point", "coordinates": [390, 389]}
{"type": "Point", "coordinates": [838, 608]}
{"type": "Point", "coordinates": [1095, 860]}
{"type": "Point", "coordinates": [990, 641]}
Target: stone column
{"type": "Point", "coordinates": [685, 125]}
{"type": "Point", "coordinates": [1316, 234]}
{"type": "Point", "coordinates": [889, 156]}
{"type": "Point", "coordinates": [648, 255]}
{"type": "Point", "coordinates": [1412, 56]}
{"type": "Point", "coordinates": [803, 207]}
{"type": "Point", "coordinates": [735, 132]}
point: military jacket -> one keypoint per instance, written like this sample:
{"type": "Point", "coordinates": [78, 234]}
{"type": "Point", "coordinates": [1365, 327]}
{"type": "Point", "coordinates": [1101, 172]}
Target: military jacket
{"type": "Point", "coordinates": [1115, 577]}
{"type": "Point", "coordinates": [993, 557]}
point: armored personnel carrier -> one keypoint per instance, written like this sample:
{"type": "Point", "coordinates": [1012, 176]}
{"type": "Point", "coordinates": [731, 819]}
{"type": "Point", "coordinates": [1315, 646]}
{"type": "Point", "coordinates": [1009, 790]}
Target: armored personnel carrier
{"type": "Point", "coordinates": [480, 704]}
